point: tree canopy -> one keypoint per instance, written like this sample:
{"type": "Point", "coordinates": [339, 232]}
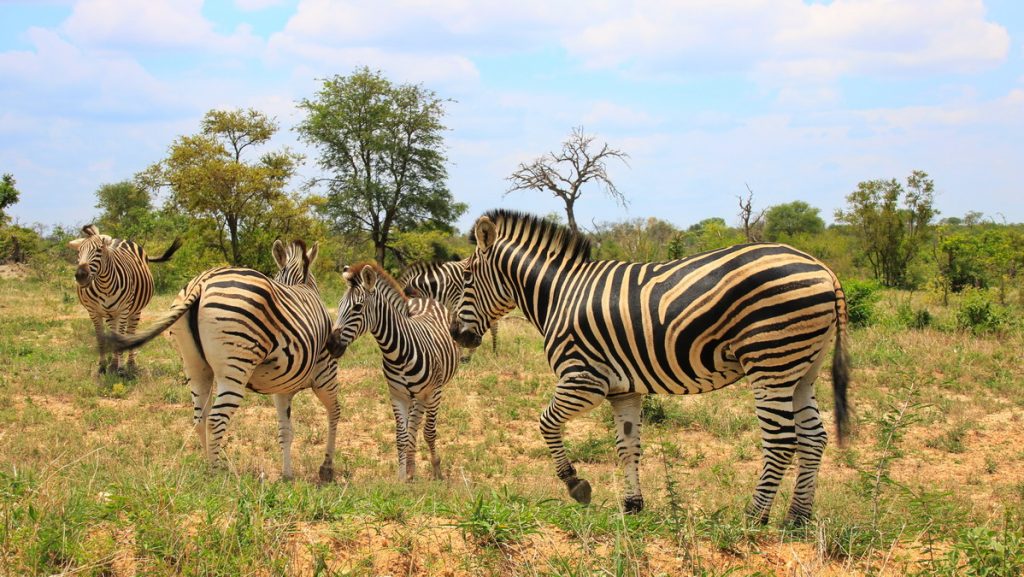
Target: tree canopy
{"type": "Point", "coordinates": [785, 221]}
{"type": "Point", "coordinates": [381, 146]}
{"type": "Point", "coordinates": [9, 194]}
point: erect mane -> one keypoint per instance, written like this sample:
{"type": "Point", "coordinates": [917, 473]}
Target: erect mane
{"type": "Point", "coordinates": [356, 269]}
{"type": "Point", "coordinates": [573, 244]}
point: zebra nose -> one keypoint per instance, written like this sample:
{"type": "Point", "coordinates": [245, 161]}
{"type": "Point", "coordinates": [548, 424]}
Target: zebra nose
{"type": "Point", "coordinates": [335, 347]}
{"type": "Point", "coordinates": [455, 329]}
{"type": "Point", "coordinates": [82, 274]}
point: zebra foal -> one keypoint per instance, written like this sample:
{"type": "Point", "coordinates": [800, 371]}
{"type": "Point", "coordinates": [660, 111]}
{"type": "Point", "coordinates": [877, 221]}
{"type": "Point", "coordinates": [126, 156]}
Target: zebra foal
{"type": "Point", "coordinates": [419, 355]}
{"type": "Point", "coordinates": [442, 281]}
{"type": "Point", "coordinates": [114, 284]}
{"type": "Point", "coordinates": [619, 330]}
{"type": "Point", "coordinates": [237, 329]}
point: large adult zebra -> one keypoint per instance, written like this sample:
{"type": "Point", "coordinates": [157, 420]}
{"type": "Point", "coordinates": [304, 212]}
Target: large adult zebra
{"type": "Point", "coordinates": [114, 285]}
{"type": "Point", "coordinates": [619, 330]}
{"type": "Point", "coordinates": [443, 281]}
{"type": "Point", "coordinates": [237, 329]}
{"type": "Point", "coordinates": [419, 355]}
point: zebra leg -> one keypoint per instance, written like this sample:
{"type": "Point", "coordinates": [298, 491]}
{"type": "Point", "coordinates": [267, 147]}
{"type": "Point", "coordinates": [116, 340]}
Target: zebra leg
{"type": "Point", "coordinates": [283, 403]}
{"type": "Point", "coordinates": [401, 403]}
{"type": "Point", "coordinates": [430, 432]}
{"type": "Point", "coordinates": [626, 412]}
{"type": "Point", "coordinates": [201, 385]}
{"type": "Point", "coordinates": [229, 395]}
{"type": "Point", "coordinates": [811, 441]}
{"type": "Point", "coordinates": [570, 400]}
{"type": "Point", "coordinates": [415, 416]}
{"type": "Point", "coordinates": [774, 407]}
{"type": "Point", "coordinates": [130, 324]}
{"type": "Point", "coordinates": [328, 394]}
{"type": "Point", "coordinates": [97, 324]}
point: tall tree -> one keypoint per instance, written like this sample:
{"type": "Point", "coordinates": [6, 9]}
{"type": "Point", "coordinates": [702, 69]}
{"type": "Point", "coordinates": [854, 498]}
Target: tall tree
{"type": "Point", "coordinates": [8, 195]}
{"type": "Point", "coordinates": [209, 180]}
{"type": "Point", "coordinates": [891, 223]}
{"type": "Point", "coordinates": [753, 225]}
{"type": "Point", "coordinates": [382, 147]}
{"type": "Point", "coordinates": [127, 210]}
{"type": "Point", "coordinates": [564, 173]}
{"type": "Point", "coordinates": [784, 221]}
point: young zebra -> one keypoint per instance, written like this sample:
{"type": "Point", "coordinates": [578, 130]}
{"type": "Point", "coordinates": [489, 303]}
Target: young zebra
{"type": "Point", "coordinates": [619, 330]}
{"type": "Point", "coordinates": [237, 329]}
{"type": "Point", "coordinates": [443, 281]}
{"type": "Point", "coordinates": [114, 285]}
{"type": "Point", "coordinates": [419, 356]}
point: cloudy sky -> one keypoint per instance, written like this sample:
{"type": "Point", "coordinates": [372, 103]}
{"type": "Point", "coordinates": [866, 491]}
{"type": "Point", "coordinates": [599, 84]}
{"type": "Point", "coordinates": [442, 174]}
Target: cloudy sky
{"type": "Point", "coordinates": [799, 100]}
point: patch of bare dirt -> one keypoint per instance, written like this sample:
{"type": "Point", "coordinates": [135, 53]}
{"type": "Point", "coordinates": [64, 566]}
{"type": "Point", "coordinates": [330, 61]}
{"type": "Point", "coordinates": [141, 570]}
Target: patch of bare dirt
{"type": "Point", "coordinates": [13, 270]}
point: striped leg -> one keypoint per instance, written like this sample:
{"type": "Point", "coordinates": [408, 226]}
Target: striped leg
{"type": "Point", "coordinates": [401, 405]}
{"type": "Point", "coordinates": [229, 396]}
{"type": "Point", "coordinates": [415, 416]}
{"type": "Point", "coordinates": [774, 408]}
{"type": "Point", "coordinates": [626, 412]}
{"type": "Point", "coordinates": [327, 392]}
{"type": "Point", "coordinates": [569, 401]}
{"type": "Point", "coordinates": [283, 404]}
{"type": "Point", "coordinates": [430, 432]}
{"type": "Point", "coordinates": [201, 386]}
{"type": "Point", "coordinates": [811, 441]}
{"type": "Point", "coordinates": [97, 324]}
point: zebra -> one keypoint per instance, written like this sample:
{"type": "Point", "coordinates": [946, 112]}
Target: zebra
{"type": "Point", "coordinates": [238, 329]}
{"type": "Point", "coordinates": [419, 355]}
{"type": "Point", "coordinates": [114, 284]}
{"type": "Point", "coordinates": [443, 281]}
{"type": "Point", "coordinates": [620, 330]}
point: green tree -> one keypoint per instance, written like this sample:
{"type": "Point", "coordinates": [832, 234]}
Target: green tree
{"type": "Point", "coordinates": [785, 221]}
{"type": "Point", "coordinates": [891, 223]}
{"type": "Point", "coordinates": [127, 210]}
{"type": "Point", "coordinates": [8, 195]}
{"type": "Point", "coordinates": [564, 173]}
{"type": "Point", "coordinates": [382, 147]}
{"type": "Point", "coordinates": [638, 240]}
{"type": "Point", "coordinates": [237, 202]}
{"type": "Point", "coordinates": [708, 234]}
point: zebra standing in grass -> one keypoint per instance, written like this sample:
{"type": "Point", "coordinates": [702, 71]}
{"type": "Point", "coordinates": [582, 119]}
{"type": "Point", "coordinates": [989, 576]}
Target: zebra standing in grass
{"type": "Point", "coordinates": [237, 329]}
{"type": "Point", "coordinates": [619, 330]}
{"type": "Point", "coordinates": [114, 285]}
{"type": "Point", "coordinates": [419, 355]}
{"type": "Point", "coordinates": [443, 281]}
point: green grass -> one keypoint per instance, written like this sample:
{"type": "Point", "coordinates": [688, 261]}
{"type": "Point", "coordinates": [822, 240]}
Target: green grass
{"type": "Point", "coordinates": [102, 475]}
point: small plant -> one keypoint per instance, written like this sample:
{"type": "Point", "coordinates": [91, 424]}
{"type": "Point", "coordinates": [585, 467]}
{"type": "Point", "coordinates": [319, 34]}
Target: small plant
{"type": "Point", "coordinates": [498, 521]}
{"type": "Point", "coordinates": [978, 314]}
{"type": "Point", "coordinates": [861, 297]}
{"type": "Point", "coordinates": [984, 552]}
{"type": "Point", "coordinates": [952, 441]}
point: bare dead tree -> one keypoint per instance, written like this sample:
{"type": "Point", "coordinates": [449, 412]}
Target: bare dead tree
{"type": "Point", "coordinates": [565, 172]}
{"type": "Point", "coordinates": [753, 226]}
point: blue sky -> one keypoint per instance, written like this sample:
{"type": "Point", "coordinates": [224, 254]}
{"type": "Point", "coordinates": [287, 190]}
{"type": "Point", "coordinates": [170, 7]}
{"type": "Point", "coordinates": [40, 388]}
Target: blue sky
{"type": "Point", "coordinates": [798, 100]}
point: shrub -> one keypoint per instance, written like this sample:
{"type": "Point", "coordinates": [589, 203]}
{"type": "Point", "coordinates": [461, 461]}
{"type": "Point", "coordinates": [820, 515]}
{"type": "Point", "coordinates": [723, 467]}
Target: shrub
{"type": "Point", "coordinates": [913, 318]}
{"type": "Point", "coordinates": [978, 313]}
{"type": "Point", "coordinates": [861, 297]}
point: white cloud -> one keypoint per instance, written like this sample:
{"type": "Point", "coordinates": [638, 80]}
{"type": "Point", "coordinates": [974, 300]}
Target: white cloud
{"type": "Point", "coordinates": [604, 113]}
{"type": "Point", "coordinates": [256, 5]}
{"type": "Point", "coordinates": [152, 25]}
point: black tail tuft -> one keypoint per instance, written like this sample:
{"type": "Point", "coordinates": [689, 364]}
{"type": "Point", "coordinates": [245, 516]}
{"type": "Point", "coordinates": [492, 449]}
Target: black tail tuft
{"type": "Point", "coordinates": [840, 382]}
{"type": "Point", "coordinates": [168, 253]}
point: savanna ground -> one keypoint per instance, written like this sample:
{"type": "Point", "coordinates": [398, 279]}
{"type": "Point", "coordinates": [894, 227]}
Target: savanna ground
{"type": "Point", "coordinates": [102, 476]}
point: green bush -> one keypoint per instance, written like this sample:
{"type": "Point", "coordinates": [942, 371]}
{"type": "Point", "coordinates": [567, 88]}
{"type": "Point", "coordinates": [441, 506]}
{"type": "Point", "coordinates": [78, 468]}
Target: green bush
{"type": "Point", "coordinates": [979, 314]}
{"type": "Point", "coordinates": [861, 298]}
{"type": "Point", "coordinates": [913, 318]}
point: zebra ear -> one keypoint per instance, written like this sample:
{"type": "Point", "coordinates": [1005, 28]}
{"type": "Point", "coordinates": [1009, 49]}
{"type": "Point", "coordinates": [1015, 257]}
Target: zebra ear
{"type": "Point", "coordinates": [312, 253]}
{"type": "Point", "coordinates": [90, 230]}
{"type": "Point", "coordinates": [74, 244]}
{"type": "Point", "coordinates": [485, 233]}
{"type": "Point", "coordinates": [368, 278]}
{"type": "Point", "coordinates": [106, 242]}
{"type": "Point", "coordinates": [280, 253]}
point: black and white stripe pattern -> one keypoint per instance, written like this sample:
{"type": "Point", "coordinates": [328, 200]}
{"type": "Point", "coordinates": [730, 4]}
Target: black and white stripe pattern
{"type": "Point", "coordinates": [442, 281]}
{"type": "Point", "coordinates": [237, 329]}
{"type": "Point", "coordinates": [419, 355]}
{"type": "Point", "coordinates": [619, 330]}
{"type": "Point", "coordinates": [114, 285]}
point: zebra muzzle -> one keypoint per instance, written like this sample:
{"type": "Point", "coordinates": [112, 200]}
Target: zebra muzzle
{"type": "Point", "coordinates": [465, 338]}
{"type": "Point", "coordinates": [82, 275]}
{"type": "Point", "coordinates": [335, 346]}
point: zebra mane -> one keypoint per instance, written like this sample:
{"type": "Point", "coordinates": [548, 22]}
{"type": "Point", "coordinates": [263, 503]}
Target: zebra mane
{"type": "Point", "coordinates": [354, 270]}
{"type": "Point", "coordinates": [574, 245]}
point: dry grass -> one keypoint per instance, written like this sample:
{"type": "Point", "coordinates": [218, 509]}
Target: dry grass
{"type": "Point", "coordinates": [99, 476]}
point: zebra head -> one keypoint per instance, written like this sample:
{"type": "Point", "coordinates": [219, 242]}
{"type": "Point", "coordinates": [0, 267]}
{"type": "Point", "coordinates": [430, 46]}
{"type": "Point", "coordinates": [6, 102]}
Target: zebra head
{"type": "Point", "coordinates": [294, 262]}
{"type": "Point", "coordinates": [92, 249]}
{"type": "Point", "coordinates": [351, 321]}
{"type": "Point", "coordinates": [485, 297]}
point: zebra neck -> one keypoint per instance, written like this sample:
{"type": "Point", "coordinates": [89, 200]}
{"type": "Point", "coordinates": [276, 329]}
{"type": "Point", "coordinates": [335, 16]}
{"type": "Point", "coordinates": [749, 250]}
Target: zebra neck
{"type": "Point", "coordinates": [538, 282]}
{"type": "Point", "coordinates": [389, 316]}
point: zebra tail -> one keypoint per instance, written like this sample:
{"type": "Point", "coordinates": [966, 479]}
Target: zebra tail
{"type": "Point", "coordinates": [167, 253]}
{"type": "Point", "coordinates": [112, 342]}
{"type": "Point", "coordinates": [841, 369]}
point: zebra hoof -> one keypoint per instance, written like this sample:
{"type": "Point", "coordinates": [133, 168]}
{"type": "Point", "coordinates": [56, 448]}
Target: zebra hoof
{"type": "Point", "coordinates": [757, 515]}
{"type": "Point", "coordinates": [326, 473]}
{"type": "Point", "coordinates": [797, 519]}
{"type": "Point", "coordinates": [633, 504]}
{"type": "Point", "coordinates": [579, 490]}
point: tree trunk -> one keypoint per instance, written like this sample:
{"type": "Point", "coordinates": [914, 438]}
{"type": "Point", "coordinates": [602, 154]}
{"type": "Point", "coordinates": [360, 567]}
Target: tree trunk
{"type": "Point", "coordinates": [233, 229]}
{"type": "Point", "coordinates": [570, 216]}
{"type": "Point", "coordinates": [378, 254]}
